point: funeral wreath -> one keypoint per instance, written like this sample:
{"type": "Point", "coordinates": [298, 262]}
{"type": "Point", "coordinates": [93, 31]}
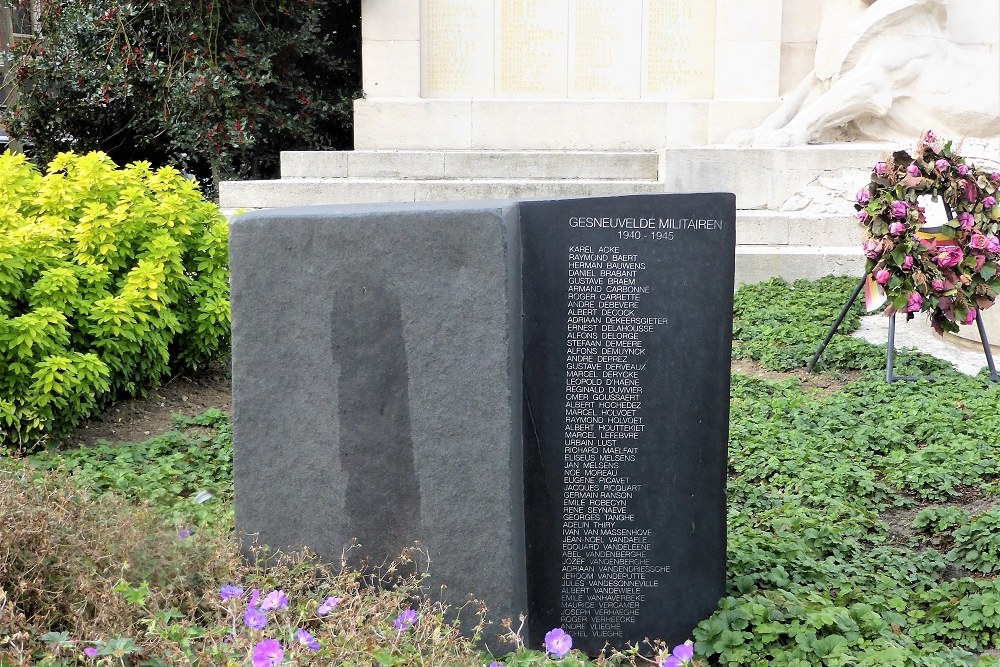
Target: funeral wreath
{"type": "Point", "coordinates": [949, 271]}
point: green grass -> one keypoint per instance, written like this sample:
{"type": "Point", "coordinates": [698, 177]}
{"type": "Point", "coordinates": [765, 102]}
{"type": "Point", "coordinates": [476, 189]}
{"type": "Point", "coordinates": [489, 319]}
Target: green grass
{"type": "Point", "coordinates": [862, 529]}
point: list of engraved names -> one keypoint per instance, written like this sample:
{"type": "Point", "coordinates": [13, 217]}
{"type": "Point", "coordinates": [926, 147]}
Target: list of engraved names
{"type": "Point", "coordinates": [607, 564]}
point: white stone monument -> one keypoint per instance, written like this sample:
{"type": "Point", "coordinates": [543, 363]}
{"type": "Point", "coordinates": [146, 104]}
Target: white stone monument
{"type": "Point", "coordinates": [564, 74]}
{"type": "Point", "coordinates": [487, 99]}
{"type": "Point", "coordinates": [888, 71]}
{"type": "Point", "coordinates": [648, 74]}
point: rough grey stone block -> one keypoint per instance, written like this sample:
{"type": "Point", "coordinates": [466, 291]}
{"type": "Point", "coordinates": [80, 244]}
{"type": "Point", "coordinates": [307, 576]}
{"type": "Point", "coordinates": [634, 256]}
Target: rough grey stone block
{"type": "Point", "coordinates": [376, 387]}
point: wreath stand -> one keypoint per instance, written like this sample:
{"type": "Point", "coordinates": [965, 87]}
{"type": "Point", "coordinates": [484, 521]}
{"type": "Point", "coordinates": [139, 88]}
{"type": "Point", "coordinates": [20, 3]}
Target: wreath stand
{"type": "Point", "coordinates": [890, 353]}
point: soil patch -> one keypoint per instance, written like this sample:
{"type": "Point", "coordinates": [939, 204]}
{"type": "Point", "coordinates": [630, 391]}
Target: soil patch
{"type": "Point", "coordinates": [825, 384]}
{"type": "Point", "coordinates": [135, 420]}
{"type": "Point", "coordinates": [900, 520]}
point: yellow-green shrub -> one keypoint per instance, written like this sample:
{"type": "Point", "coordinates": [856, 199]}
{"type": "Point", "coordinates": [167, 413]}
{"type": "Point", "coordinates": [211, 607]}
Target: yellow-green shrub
{"type": "Point", "coordinates": [109, 278]}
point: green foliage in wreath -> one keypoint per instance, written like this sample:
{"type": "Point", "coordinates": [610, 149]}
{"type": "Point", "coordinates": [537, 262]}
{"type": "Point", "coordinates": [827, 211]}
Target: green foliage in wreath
{"type": "Point", "coordinates": [949, 272]}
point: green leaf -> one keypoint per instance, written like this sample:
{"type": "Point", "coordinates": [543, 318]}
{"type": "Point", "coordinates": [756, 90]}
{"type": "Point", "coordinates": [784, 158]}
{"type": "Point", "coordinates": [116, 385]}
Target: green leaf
{"type": "Point", "coordinates": [57, 638]}
{"type": "Point", "coordinates": [386, 659]}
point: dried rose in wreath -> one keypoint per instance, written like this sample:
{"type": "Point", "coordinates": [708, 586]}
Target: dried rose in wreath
{"type": "Point", "coordinates": [949, 271]}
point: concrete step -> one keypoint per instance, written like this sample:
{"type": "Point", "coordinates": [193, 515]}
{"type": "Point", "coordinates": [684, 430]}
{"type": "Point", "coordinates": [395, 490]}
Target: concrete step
{"type": "Point", "coordinates": [775, 228]}
{"type": "Point", "coordinates": [464, 165]}
{"type": "Point", "coordinates": [795, 205]}
{"type": "Point", "coordinates": [763, 228]}
{"type": "Point", "coordinates": [755, 263]}
{"type": "Point", "coordinates": [316, 191]}
{"type": "Point", "coordinates": [818, 178]}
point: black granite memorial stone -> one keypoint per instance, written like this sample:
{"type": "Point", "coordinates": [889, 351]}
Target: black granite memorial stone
{"type": "Point", "coordinates": [537, 392]}
{"type": "Point", "coordinates": [627, 307]}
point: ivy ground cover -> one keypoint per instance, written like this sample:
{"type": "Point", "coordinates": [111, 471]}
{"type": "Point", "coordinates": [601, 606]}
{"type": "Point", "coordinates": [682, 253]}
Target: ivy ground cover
{"type": "Point", "coordinates": [863, 521]}
{"type": "Point", "coordinates": [864, 525]}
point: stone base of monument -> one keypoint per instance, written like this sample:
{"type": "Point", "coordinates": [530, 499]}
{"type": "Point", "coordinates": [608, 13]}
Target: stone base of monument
{"type": "Point", "coordinates": [537, 392]}
{"type": "Point", "coordinates": [795, 217]}
{"type": "Point", "coordinates": [969, 336]}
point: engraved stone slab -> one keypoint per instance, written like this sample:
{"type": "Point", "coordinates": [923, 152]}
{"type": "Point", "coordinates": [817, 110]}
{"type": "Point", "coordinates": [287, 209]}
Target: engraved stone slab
{"type": "Point", "coordinates": [628, 331]}
{"type": "Point", "coordinates": [552, 430]}
{"type": "Point", "coordinates": [679, 49]}
{"type": "Point", "coordinates": [532, 48]}
{"type": "Point", "coordinates": [457, 49]}
{"type": "Point", "coordinates": [605, 49]}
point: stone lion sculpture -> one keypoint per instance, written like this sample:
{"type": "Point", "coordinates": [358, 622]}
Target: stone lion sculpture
{"type": "Point", "coordinates": [886, 70]}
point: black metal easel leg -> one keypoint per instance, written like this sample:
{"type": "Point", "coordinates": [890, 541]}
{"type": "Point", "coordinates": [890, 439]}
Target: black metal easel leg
{"type": "Point", "coordinates": [890, 357]}
{"type": "Point", "coordinates": [986, 346]}
{"type": "Point", "coordinates": [890, 376]}
{"type": "Point", "coordinates": [890, 350]}
{"type": "Point", "coordinates": [833, 329]}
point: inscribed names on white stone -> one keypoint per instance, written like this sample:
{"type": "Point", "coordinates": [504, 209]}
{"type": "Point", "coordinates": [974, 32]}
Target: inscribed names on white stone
{"type": "Point", "coordinates": [605, 49]}
{"type": "Point", "coordinates": [679, 49]}
{"type": "Point", "coordinates": [456, 45]}
{"type": "Point", "coordinates": [532, 48]}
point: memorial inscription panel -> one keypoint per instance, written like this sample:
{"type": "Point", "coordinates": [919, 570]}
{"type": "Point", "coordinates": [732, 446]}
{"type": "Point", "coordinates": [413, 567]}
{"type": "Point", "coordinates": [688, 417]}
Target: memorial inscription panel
{"type": "Point", "coordinates": [627, 336]}
{"type": "Point", "coordinates": [679, 49]}
{"type": "Point", "coordinates": [456, 44]}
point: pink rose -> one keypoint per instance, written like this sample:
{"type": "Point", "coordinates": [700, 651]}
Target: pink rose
{"type": "Point", "coordinates": [871, 249]}
{"type": "Point", "coordinates": [863, 196]}
{"type": "Point", "coordinates": [907, 263]}
{"type": "Point", "coordinates": [962, 170]}
{"type": "Point", "coordinates": [897, 228]}
{"type": "Point", "coordinates": [995, 177]}
{"type": "Point", "coordinates": [862, 215]}
{"type": "Point", "coordinates": [966, 221]}
{"type": "Point", "coordinates": [980, 260]}
{"type": "Point", "coordinates": [929, 137]}
{"type": "Point", "coordinates": [948, 256]}
{"type": "Point", "coordinates": [970, 316]}
{"type": "Point", "coordinates": [913, 170]}
{"type": "Point", "coordinates": [989, 202]}
{"type": "Point", "coordinates": [899, 209]}
{"type": "Point", "coordinates": [942, 166]}
{"type": "Point", "coordinates": [978, 241]}
{"type": "Point", "coordinates": [882, 276]}
{"type": "Point", "coordinates": [968, 189]}
{"type": "Point", "coordinates": [938, 285]}
{"type": "Point", "coordinates": [881, 168]}
{"type": "Point", "coordinates": [992, 244]}
{"type": "Point", "coordinates": [913, 303]}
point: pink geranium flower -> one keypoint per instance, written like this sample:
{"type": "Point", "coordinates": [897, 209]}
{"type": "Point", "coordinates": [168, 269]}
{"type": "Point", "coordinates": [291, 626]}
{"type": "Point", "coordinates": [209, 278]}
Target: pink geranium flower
{"type": "Point", "coordinates": [267, 653]}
